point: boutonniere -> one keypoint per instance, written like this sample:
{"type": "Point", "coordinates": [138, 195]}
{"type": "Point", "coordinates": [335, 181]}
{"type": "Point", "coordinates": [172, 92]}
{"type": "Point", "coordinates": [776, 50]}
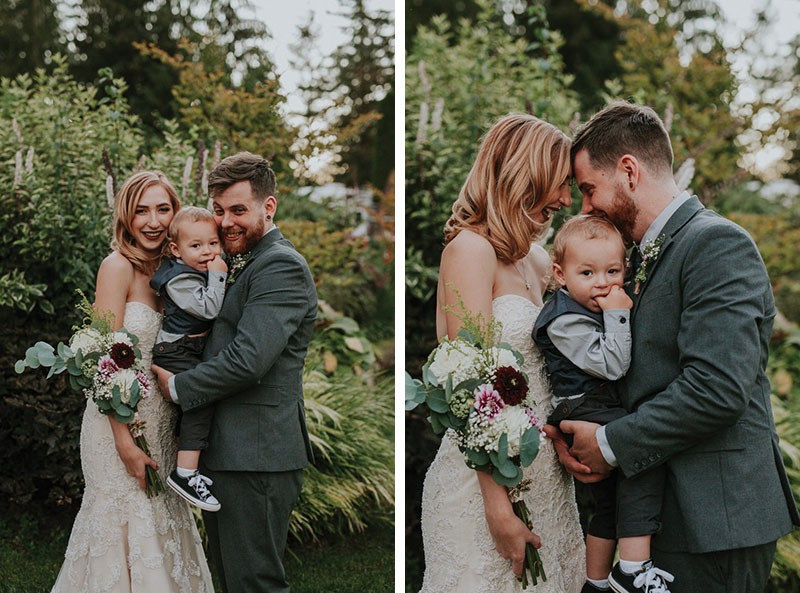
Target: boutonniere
{"type": "Point", "coordinates": [649, 255]}
{"type": "Point", "coordinates": [235, 265]}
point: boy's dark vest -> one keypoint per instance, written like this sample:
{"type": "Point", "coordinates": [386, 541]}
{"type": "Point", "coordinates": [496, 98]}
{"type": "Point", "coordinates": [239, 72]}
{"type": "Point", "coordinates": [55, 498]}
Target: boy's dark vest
{"type": "Point", "coordinates": [176, 320]}
{"type": "Point", "coordinates": [566, 379]}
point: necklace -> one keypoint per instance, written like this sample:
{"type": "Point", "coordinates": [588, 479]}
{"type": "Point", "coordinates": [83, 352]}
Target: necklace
{"type": "Point", "coordinates": [524, 279]}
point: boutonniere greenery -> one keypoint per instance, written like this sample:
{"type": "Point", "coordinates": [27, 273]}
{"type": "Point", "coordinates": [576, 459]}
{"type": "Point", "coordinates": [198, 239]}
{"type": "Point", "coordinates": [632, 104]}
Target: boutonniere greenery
{"type": "Point", "coordinates": [235, 265]}
{"type": "Point", "coordinates": [649, 255]}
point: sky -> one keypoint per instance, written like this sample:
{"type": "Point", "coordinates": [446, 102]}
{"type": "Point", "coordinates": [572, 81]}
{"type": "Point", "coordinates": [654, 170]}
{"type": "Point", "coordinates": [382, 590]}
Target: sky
{"type": "Point", "coordinates": [282, 17]}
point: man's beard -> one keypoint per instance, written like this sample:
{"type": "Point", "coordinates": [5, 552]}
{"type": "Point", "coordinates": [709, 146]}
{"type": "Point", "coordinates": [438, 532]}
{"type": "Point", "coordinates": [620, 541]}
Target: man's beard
{"type": "Point", "coordinates": [251, 238]}
{"type": "Point", "coordinates": [623, 212]}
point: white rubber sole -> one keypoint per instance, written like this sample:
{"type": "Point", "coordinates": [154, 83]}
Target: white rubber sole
{"type": "Point", "coordinates": [197, 503]}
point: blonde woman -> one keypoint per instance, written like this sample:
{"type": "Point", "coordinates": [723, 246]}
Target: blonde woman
{"type": "Point", "coordinates": [122, 541]}
{"type": "Point", "coordinates": [473, 541]}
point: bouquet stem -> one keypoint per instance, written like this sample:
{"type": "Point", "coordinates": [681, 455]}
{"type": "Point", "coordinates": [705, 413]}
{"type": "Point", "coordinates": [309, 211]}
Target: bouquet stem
{"type": "Point", "coordinates": [533, 562]}
{"type": "Point", "coordinates": [153, 486]}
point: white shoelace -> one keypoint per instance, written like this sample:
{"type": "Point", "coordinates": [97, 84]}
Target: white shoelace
{"type": "Point", "coordinates": [200, 483]}
{"type": "Point", "coordinates": [653, 580]}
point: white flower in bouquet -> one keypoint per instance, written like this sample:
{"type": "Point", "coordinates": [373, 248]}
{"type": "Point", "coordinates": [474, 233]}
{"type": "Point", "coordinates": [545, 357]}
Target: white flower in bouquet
{"type": "Point", "coordinates": [120, 337]}
{"type": "Point", "coordinates": [504, 358]}
{"type": "Point", "coordinates": [124, 379]}
{"type": "Point", "coordinates": [87, 340]}
{"type": "Point", "coordinates": [455, 357]}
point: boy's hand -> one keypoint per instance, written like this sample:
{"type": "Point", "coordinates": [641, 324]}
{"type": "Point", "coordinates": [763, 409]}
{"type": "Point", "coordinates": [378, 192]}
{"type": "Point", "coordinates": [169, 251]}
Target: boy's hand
{"type": "Point", "coordinates": [217, 265]}
{"type": "Point", "coordinates": [616, 298]}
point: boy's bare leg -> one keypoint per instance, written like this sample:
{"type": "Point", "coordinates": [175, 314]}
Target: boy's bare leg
{"type": "Point", "coordinates": [599, 557]}
{"type": "Point", "coordinates": [188, 459]}
{"type": "Point", "coordinates": [635, 549]}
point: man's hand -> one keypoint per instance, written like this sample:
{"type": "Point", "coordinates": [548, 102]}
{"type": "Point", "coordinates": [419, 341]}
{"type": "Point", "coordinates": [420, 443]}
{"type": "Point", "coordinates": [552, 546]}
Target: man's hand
{"type": "Point", "coordinates": [584, 444]}
{"type": "Point", "coordinates": [162, 376]}
{"type": "Point", "coordinates": [575, 468]}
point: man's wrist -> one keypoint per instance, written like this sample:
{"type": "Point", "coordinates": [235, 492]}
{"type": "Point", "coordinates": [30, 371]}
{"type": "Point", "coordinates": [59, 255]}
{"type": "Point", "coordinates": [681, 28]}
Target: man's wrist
{"type": "Point", "coordinates": [605, 448]}
{"type": "Point", "coordinates": [173, 393]}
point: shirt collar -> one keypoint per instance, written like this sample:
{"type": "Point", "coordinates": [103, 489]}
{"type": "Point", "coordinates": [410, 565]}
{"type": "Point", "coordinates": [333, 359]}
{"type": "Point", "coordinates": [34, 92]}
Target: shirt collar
{"type": "Point", "coordinates": [655, 228]}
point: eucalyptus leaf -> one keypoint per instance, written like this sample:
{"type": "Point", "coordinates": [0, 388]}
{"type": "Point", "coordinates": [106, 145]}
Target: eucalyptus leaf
{"type": "Point", "coordinates": [503, 480]}
{"type": "Point", "coordinates": [477, 457]}
{"type": "Point", "coordinates": [73, 383]}
{"type": "Point", "coordinates": [116, 397]}
{"type": "Point", "coordinates": [47, 359]}
{"type": "Point", "coordinates": [436, 401]}
{"type": "Point", "coordinates": [415, 394]}
{"type": "Point", "coordinates": [428, 376]}
{"type": "Point", "coordinates": [65, 351]}
{"type": "Point", "coordinates": [436, 425]}
{"type": "Point", "coordinates": [529, 446]}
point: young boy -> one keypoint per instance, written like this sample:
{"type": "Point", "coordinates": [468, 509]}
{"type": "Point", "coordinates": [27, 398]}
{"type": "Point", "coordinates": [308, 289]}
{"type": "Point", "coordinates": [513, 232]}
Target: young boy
{"type": "Point", "coordinates": [192, 286]}
{"type": "Point", "coordinates": [584, 334]}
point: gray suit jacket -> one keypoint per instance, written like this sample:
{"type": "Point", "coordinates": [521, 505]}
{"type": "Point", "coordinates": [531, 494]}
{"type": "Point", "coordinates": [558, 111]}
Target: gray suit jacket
{"type": "Point", "coordinates": [698, 392]}
{"type": "Point", "coordinates": [253, 364]}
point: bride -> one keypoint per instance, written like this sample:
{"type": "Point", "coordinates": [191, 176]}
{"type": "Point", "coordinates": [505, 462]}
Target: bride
{"type": "Point", "coordinates": [122, 541]}
{"type": "Point", "coordinates": [473, 541]}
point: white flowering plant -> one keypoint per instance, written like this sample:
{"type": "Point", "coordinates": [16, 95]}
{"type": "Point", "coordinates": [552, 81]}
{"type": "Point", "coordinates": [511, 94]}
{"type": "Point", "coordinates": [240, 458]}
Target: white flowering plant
{"type": "Point", "coordinates": [474, 385]}
{"type": "Point", "coordinates": [106, 366]}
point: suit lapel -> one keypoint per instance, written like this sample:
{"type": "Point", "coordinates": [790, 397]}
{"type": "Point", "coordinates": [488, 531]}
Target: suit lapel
{"type": "Point", "coordinates": [682, 216]}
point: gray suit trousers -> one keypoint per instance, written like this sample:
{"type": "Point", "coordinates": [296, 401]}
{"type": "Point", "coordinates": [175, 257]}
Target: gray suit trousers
{"type": "Point", "coordinates": [742, 570]}
{"type": "Point", "coordinates": [247, 536]}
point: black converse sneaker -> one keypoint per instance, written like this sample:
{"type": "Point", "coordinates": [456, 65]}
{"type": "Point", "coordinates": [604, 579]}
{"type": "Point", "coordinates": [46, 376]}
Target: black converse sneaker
{"type": "Point", "coordinates": [590, 588]}
{"type": "Point", "coordinates": [648, 580]}
{"type": "Point", "coordinates": [194, 489]}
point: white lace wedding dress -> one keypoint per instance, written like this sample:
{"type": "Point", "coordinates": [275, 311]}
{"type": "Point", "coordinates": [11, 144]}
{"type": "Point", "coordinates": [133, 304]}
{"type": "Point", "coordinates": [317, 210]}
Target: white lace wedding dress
{"type": "Point", "coordinates": [122, 541]}
{"type": "Point", "coordinates": [460, 556]}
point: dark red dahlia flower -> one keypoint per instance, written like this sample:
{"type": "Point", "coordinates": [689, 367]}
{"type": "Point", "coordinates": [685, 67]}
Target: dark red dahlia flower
{"type": "Point", "coordinates": [123, 355]}
{"type": "Point", "coordinates": [511, 385]}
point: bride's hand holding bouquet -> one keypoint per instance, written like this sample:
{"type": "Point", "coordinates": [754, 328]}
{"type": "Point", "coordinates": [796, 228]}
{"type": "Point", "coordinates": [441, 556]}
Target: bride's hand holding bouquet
{"type": "Point", "coordinates": [474, 386]}
{"type": "Point", "coordinates": [106, 366]}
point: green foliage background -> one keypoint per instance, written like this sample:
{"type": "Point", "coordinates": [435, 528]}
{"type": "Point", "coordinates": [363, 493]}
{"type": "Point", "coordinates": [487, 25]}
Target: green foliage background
{"type": "Point", "coordinates": [480, 59]}
{"type": "Point", "coordinates": [55, 219]}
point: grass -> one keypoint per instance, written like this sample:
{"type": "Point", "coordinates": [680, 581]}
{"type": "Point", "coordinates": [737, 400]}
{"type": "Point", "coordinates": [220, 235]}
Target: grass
{"type": "Point", "coordinates": [32, 549]}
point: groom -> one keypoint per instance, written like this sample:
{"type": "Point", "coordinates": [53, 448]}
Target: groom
{"type": "Point", "coordinates": [697, 390]}
{"type": "Point", "coordinates": [252, 375]}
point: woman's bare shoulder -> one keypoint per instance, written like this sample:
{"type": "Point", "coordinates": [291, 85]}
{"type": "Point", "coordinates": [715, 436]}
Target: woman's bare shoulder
{"type": "Point", "coordinates": [469, 244]}
{"type": "Point", "coordinates": [117, 265]}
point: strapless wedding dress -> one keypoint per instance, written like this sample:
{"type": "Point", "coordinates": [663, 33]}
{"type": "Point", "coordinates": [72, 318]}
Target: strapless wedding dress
{"type": "Point", "coordinates": [460, 555]}
{"type": "Point", "coordinates": [122, 541]}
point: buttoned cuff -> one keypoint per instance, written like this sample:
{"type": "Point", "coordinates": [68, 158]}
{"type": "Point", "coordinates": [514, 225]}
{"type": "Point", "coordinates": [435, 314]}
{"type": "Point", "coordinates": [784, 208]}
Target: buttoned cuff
{"type": "Point", "coordinates": [173, 394]}
{"type": "Point", "coordinates": [217, 279]}
{"type": "Point", "coordinates": [605, 448]}
{"type": "Point", "coordinates": [617, 320]}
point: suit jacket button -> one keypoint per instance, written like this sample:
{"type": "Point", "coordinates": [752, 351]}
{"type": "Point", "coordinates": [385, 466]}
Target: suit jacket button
{"type": "Point", "coordinates": [637, 465]}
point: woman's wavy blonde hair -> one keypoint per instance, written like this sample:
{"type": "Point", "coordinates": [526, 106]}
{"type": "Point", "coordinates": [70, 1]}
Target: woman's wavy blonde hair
{"type": "Point", "coordinates": [125, 205]}
{"type": "Point", "coordinates": [521, 159]}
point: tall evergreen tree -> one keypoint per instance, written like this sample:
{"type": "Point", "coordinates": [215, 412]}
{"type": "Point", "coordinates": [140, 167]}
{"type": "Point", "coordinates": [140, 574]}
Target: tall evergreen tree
{"type": "Point", "coordinates": [361, 80]}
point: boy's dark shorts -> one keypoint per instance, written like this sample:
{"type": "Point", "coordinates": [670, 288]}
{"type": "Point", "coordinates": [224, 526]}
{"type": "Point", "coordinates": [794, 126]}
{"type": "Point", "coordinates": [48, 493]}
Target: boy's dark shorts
{"type": "Point", "coordinates": [180, 355]}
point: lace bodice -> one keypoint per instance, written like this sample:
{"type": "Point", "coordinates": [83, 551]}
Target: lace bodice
{"type": "Point", "coordinates": [517, 315]}
{"type": "Point", "coordinates": [122, 541]}
{"type": "Point", "coordinates": [460, 555]}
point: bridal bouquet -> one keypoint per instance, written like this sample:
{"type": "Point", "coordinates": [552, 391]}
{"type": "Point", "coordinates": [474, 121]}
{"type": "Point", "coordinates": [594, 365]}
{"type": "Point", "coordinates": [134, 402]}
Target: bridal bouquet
{"type": "Point", "coordinates": [474, 386]}
{"type": "Point", "coordinates": [106, 366]}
